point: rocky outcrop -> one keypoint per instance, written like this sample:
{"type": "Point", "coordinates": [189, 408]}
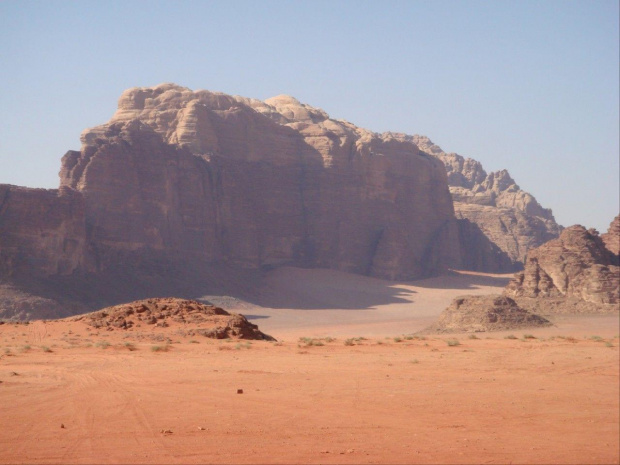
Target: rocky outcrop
{"type": "Point", "coordinates": [575, 266]}
{"type": "Point", "coordinates": [611, 238]}
{"type": "Point", "coordinates": [190, 316]}
{"type": "Point", "coordinates": [485, 313]}
{"type": "Point", "coordinates": [260, 184]}
{"type": "Point", "coordinates": [498, 222]}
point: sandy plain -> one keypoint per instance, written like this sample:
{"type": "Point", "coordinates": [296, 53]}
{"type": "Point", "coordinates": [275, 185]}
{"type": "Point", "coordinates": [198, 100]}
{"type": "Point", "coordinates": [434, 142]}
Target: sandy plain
{"type": "Point", "coordinates": [356, 388]}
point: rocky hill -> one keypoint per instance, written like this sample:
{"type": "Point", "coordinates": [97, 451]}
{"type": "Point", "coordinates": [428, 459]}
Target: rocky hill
{"type": "Point", "coordinates": [482, 313]}
{"type": "Point", "coordinates": [575, 272]}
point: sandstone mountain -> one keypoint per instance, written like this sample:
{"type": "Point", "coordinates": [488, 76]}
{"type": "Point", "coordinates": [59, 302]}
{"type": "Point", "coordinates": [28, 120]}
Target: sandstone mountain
{"type": "Point", "coordinates": [476, 313]}
{"type": "Point", "coordinates": [575, 272]}
{"type": "Point", "coordinates": [498, 222]}
{"type": "Point", "coordinates": [185, 192]}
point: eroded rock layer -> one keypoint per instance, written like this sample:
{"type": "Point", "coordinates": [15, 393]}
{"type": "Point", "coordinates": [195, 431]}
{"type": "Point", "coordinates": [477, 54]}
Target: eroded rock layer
{"type": "Point", "coordinates": [576, 266]}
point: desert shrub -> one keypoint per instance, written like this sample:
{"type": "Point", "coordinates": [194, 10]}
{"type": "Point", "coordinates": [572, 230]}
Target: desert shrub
{"type": "Point", "coordinates": [130, 346]}
{"type": "Point", "coordinates": [529, 336]}
{"type": "Point", "coordinates": [46, 349]}
{"type": "Point", "coordinates": [163, 348]}
{"type": "Point", "coordinates": [596, 338]}
{"type": "Point", "coordinates": [510, 336]}
{"type": "Point", "coordinates": [453, 342]}
{"type": "Point", "coordinates": [102, 344]}
{"type": "Point", "coordinates": [473, 336]}
{"type": "Point", "coordinates": [398, 339]}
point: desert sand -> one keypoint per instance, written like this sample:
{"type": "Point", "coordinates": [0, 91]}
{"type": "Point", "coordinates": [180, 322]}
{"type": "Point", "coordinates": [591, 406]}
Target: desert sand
{"type": "Point", "coordinates": [347, 382]}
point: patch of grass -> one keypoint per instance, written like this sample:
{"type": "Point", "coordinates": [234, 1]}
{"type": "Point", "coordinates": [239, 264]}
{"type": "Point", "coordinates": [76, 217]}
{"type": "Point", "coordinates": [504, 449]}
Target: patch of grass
{"type": "Point", "coordinates": [46, 349]}
{"type": "Point", "coordinates": [510, 336]}
{"type": "Point", "coordinates": [25, 348]}
{"type": "Point", "coordinates": [473, 336]}
{"type": "Point", "coordinates": [130, 346]}
{"type": "Point", "coordinates": [163, 348]}
{"type": "Point", "coordinates": [529, 336]}
{"type": "Point", "coordinates": [596, 338]}
{"type": "Point", "coordinates": [102, 344]}
{"type": "Point", "coordinates": [310, 341]}
{"type": "Point", "coordinates": [239, 345]}
{"type": "Point", "coordinates": [608, 344]}
{"type": "Point", "coordinates": [453, 342]}
{"type": "Point", "coordinates": [349, 342]}
{"type": "Point", "coordinates": [398, 339]}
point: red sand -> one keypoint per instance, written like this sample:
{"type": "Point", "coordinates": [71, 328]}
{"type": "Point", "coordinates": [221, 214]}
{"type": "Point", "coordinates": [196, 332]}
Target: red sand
{"type": "Point", "coordinates": [552, 399]}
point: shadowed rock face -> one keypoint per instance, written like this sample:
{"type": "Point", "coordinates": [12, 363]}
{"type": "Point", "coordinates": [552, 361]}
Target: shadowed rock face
{"type": "Point", "coordinates": [498, 222]}
{"type": "Point", "coordinates": [577, 265]}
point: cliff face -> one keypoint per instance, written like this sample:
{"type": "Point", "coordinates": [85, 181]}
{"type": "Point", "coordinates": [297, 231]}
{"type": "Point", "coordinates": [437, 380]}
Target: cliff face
{"type": "Point", "coordinates": [260, 184]}
{"type": "Point", "coordinates": [498, 222]}
{"type": "Point", "coordinates": [42, 231]}
{"type": "Point", "coordinates": [577, 265]}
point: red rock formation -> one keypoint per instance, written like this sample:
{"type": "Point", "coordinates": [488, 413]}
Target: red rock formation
{"type": "Point", "coordinates": [577, 265]}
{"type": "Point", "coordinates": [481, 313]}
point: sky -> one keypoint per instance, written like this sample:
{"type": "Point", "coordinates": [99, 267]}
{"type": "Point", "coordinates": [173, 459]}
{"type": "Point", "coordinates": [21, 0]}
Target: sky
{"type": "Point", "coordinates": [527, 86]}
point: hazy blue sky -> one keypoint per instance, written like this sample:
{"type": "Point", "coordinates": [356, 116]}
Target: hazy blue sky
{"type": "Point", "coordinates": [530, 86]}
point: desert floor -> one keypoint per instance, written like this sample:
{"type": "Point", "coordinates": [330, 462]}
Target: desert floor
{"type": "Point", "coordinates": [357, 388]}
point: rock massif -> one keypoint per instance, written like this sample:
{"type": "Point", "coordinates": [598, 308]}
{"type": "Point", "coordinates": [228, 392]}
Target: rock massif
{"type": "Point", "coordinates": [180, 186]}
{"type": "Point", "coordinates": [575, 272]}
{"type": "Point", "coordinates": [498, 222]}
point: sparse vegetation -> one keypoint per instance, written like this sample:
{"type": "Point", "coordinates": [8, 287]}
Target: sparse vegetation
{"type": "Point", "coordinates": [596, 338]}
{"type": "Point", "coordinates": [25, 348]}
{"type": "Point", "coordinates": [414, 361]}
{"type": "Point", "coordinates": [510, 336]}
{"type": "Point", "coordinates": [46, 349]}
{"type": "Point", "coordinates": [193, 341]}
{"type": "Point", "coordinates": [473, 336]}
{"type": "Point", "coordinates": [162, 348]}
{"type": "Point", "coordinates": [102, 344]}
{"type": "Point", "coordinates": [453, 342]}
{"type": "Point", "coordinates": [309, 341]}
{"type": "Point", "coordinates": [608, 344]}
{"type": "Point", "coordinates": [529, 336]}
{"type": "Point", "coordinates": [130, 346]}
{"type": "Point", "coordinates": [398, 339]}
